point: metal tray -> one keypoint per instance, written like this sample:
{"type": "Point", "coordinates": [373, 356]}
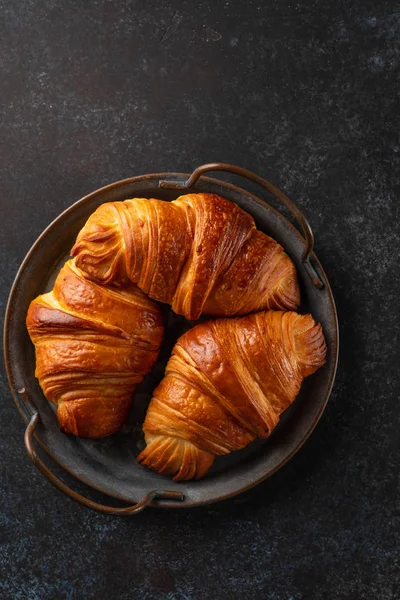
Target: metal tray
{"type": "Point", "coordinates": [109, 465]}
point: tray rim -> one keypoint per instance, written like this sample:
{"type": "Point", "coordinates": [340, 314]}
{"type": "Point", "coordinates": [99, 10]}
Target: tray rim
{"type": "Point", "coordinates": [165, 176]}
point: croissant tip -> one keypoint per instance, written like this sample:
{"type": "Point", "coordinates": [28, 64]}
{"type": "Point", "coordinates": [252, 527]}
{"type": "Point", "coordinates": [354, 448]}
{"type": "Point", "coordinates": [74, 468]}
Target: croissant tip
{"type": "Point", "coordinates": [310, 343]}
{"type": "Point", "coordinates": [176, 457]}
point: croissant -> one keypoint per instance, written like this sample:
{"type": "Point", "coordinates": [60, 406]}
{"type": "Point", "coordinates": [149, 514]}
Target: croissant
{"type": "Point", "coordinates": [94, 344]}
{"type": "Point", "coordinates": [226, 383]}
{"type": "Point", "coordinates": [200, 253]}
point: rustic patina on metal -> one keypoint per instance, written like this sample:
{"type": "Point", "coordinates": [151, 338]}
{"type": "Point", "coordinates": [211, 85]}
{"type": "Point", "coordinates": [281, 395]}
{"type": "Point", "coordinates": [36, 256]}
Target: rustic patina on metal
{"type": "Point", "coordinates": [108, 465]}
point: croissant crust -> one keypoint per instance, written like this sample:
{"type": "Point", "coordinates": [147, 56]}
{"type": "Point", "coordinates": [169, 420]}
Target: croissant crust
{"type": "Point", "coordinates": [199, 253]}
{"type": "Point", "coordinates": [226, 383]}
{"type": "Point", "coordinates": [93, 344]}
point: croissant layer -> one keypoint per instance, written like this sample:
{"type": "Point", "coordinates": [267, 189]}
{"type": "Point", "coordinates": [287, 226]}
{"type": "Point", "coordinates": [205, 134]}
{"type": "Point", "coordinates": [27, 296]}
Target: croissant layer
{"type": "Point", "coordinates": [93, 345]}
{"type": "Point", "coordinates": [226, 383]}
{"type": "Point", "coordinates": [200, 253]}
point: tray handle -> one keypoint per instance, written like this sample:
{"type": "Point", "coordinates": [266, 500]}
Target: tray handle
{"type": "Point", "coordinates": [270, 187]}
{"type": "Point", "coordinates": [102, 508]}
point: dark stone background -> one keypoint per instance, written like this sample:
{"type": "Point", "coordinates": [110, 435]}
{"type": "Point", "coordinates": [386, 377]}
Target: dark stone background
{"type": "Point", "coordinates": [305, 93]}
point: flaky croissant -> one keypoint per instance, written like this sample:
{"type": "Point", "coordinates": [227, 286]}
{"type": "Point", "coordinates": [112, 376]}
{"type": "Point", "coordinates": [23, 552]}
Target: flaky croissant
{"type": "Point", "coordinates": [226, 383]}
{"type": "Point", "coordinates": [94, 344]}
{"type": "Point", "coordinates": [200, 253]}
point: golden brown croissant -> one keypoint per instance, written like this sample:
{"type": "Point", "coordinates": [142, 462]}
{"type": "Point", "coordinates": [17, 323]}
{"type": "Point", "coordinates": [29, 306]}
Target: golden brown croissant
{"type": "Point", "coordinates": [226, 383]}
{"type": "Point", "coordinates": [199, 253]}
{"type": "Point", "coordinates": [94, 344]}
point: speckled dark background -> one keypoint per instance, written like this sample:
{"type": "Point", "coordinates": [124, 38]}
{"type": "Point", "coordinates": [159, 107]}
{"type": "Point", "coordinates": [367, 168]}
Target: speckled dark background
{"type": "Point", "coordinates": [305, 93]}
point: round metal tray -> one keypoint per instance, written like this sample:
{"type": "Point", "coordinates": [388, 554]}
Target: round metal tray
{"type": "Point", "coordinates": [109, 465]}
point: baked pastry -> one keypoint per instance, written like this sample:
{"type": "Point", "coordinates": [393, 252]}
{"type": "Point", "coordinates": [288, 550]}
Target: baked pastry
{"type": "Point", "coordinates": [94, 344]}
{"type": "Point", "coordinates": [200, 253]}
{"type": "Point", "coordinates": [226, 383]}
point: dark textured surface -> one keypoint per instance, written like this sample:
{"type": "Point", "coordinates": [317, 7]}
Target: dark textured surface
{"type": "Point", "coordinates": [307, 95]}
